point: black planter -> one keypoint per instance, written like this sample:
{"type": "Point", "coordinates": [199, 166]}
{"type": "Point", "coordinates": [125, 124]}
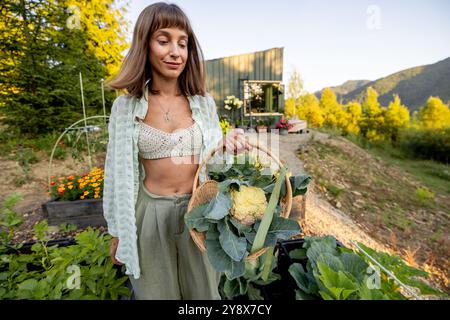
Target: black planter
{"type": "Point", "coordinates": [26, 247]}
{"type": "Point", "coordinates": [284, 288]}
{"type": "Point", "coordinates": [62, 242]}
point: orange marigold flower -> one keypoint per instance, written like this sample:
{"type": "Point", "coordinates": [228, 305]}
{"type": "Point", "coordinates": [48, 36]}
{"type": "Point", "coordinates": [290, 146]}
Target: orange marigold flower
{"type": "Point", "coordinates": [82, 197]}
{"type": "Point", "coordinates": [70, 187]}
{"type": "Point", "coordinates": [96, 196]}
{"type": "Point", "coordinates": [52, 177]}
{"type": "Point", "coordinates": [61, 178]}
{"type": "Point", "coordinates": [52, 183]}
{"type": "Point", "coordinates": [71, 177]}
{"type": "Point", "coordinates": [86, 193]}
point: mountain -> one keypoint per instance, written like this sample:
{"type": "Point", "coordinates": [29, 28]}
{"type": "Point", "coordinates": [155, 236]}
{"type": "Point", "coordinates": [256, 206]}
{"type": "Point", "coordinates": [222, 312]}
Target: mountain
{"type": "Point", "coordinates": [345, 88]}
{"type": "Point", "coordinates": [413, 85]}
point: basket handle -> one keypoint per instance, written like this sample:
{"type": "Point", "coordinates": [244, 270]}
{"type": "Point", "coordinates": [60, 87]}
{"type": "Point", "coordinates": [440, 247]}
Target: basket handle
{"type": "Point", "coordinates": [255, 145]}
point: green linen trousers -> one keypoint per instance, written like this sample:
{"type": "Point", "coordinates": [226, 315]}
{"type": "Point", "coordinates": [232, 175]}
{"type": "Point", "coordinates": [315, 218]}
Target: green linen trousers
{"type": "Point", "coordinates": [172, 266]}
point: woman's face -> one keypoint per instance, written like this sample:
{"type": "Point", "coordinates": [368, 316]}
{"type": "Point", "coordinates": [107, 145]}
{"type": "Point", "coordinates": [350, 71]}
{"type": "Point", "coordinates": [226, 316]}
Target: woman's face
{"type": "Point", "coordinates": [169, 51]}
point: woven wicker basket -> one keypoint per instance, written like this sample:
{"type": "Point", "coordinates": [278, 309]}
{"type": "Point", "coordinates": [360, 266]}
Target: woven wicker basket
{"type": "Point", "coordinates": [209, 188]}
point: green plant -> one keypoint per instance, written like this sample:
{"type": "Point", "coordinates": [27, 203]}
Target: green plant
{"type": "Point", "coordinates": [81, 271]}
{"type": "Point", "coordinates": [426, 143]}
{"type": "Point", "coordinates": [336, 273]}
{"type": "Point", "coordinates": [10, 221]}
{"type": "Point", "coordinates": [76, 140]}
{"type": "Point", "coordinates": [261, 123]}
{"type": "Point", "coordinates": [424, 195]}
{"type": "Point", "coordinates": [335, 190]}
{"type": "Point", "coordinates": [67, 227]}
{"type": "Point", "coordinates": [20, 181]}
{"type": "Point", "coordinates": [25, 157]}
{"type": "Point", "coordinates": [225, 125]}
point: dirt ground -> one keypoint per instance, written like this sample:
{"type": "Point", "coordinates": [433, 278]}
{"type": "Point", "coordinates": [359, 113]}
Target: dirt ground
{"type": "Point", "coordinates": [35, 192]}
{"type": "Point", "coordinates": [359, 215]}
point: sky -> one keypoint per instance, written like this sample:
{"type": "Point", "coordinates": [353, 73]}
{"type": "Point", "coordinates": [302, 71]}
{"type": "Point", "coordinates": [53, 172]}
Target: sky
{"type": "Point", "coordinates": [328, 42]}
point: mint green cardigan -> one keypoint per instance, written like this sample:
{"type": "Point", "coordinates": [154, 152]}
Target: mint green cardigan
{"type": "Point", "coordinates": [123, 170]}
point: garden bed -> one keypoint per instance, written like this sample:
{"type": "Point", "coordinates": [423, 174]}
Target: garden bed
{"type": "Point", "coordinates": [82, 213]}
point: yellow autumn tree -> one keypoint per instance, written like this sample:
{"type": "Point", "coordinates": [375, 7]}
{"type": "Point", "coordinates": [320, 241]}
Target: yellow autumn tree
{"type": "Point", "coordinates": [309, 110]}
{"type": "Point", "coordinates": [332, 110]}
{"type": "Point", "coordinates": [105, 27]}
{"type": "Point", "coordinates": [352, 115]}
{"type": "Point", "coordinates": [289, 107]}
{"type": "Point", "coordinates": [396, 117]}
{"type": "Point", "coordinates": [372, 120]}
{"type": "Point", "coordinates": [434, 114]}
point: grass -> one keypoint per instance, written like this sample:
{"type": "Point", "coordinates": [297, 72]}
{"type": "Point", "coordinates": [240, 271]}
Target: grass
{"type": "Point", "coordinates": [397, 217]}
{"type": "Point", "coordinates": [385, 192]}
{"type": "Point", "coordinates": [334, 190]}
{"type": "Point", "coordinates": [432, 174]}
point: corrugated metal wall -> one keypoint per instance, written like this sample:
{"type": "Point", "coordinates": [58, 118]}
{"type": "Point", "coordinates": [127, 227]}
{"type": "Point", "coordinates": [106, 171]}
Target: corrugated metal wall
{"type": "Point", "coordinates": [223, 74]}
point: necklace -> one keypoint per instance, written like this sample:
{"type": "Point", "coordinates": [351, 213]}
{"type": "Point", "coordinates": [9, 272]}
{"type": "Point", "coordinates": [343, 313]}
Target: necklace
{"type": "Point", "coordinates": [166, 113]}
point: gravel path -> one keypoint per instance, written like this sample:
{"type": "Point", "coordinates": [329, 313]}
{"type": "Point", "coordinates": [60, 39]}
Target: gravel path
{"type": "Point", "coordinates": [315, 214]}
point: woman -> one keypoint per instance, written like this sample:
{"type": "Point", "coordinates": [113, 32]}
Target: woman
{"type": "Point", "coordinates": [159, 132]}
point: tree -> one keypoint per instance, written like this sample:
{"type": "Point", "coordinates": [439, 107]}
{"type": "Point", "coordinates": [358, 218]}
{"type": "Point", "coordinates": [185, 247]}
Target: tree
{"type": "Point", "coordinates": [434, 114]}
{"type": "Point", "coordinates": [396, 118]}
{"type": "Point", "coordinates": [289, 107]}
{"type": "Point", "coordinates": [105, 29]}
{"type": "Point", "coordinates": [309, 110]}
{"type": "Point", "coordinates": [295, 87]}
{"type": "Point", "coordinates": [332, 110]}
{"type": "Point", "coordinates": [372, 116]}
{"type": "Point", "coordinates": [42, 55]}
{"type": "Point", "coordinates": [352, 114]}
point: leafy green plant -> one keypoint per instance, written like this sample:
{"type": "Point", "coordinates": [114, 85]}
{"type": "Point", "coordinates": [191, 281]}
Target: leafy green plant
{"type": "Point", "coordinates": [25, 157]}
{"type": "Point", "coordinates": [424, 195]}
{"type": "Point", "coordinates": [76, 140]}
{"type": "Point", "coordinates": [335, 190]}
{"type": "Point", "coordinates": [426, 143]}
{"type": "Point", "coordinates": [337, 273]}
{"type": "Point", "coordinates": [48, 272]}
{"type": "Point", "coordinates": [10, 221]}
{"type": "Point", "coordinates": [67, 227]}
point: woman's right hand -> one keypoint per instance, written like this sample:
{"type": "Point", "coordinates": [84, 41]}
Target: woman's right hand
{"type": "Point", "coordinates": [113, 249]}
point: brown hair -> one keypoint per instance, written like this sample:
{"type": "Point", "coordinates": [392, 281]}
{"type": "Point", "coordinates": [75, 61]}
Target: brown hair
{"type": "Point", "coordinates": [133, 77]}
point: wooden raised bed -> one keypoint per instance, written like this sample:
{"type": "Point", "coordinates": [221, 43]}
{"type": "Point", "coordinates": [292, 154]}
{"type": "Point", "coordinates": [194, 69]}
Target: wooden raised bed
{"type": "Point", "coordinates": [83, 213]}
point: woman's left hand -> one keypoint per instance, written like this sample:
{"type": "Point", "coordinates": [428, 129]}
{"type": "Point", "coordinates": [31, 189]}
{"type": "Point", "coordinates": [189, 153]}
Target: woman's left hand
{"type": "Point", "coordinates": [235, 141]}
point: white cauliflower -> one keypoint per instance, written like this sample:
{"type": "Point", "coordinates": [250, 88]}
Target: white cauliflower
{"type": "Point", "coordinates": [248, 204]}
